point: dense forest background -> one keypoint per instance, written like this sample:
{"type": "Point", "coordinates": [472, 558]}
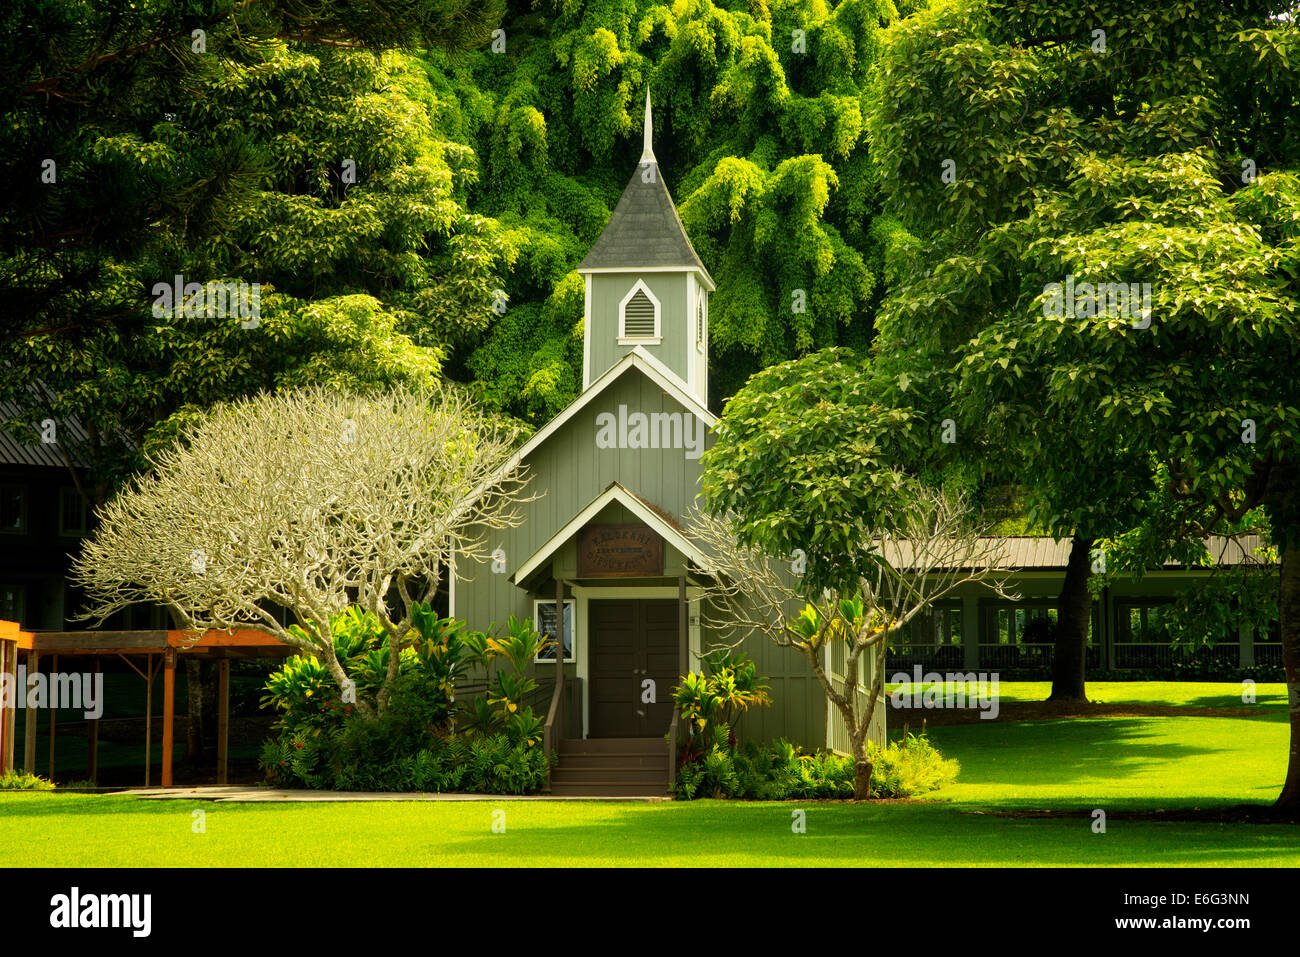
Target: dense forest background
{"type": "Point", "coordinates": [412, 192]}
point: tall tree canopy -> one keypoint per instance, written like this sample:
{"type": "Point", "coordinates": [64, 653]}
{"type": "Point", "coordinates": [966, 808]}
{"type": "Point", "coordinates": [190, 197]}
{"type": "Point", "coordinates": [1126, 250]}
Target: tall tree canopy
{"type": "Point", "coordinates": [1105, 284]}
{"type": "Point", "coordinates": [1034, 157]}
{"type": "Point", "coordinates": [270, 143]}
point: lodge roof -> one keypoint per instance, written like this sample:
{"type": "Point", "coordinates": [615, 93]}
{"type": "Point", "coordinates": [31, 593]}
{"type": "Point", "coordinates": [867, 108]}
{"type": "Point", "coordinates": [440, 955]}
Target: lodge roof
{"type": "Point", "coordinates": [1043, 553]}
{"type": "Point", "coordinates": [72, 436]}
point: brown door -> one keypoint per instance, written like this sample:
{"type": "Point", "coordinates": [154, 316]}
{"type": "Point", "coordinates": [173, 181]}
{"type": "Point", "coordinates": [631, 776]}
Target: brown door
{"type": "Point", "coordinates": [634, 647]}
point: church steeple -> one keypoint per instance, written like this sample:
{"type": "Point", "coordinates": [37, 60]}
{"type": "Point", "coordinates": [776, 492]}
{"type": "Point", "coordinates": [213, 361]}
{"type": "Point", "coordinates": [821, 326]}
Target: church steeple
{"type": "Point", "coordinates": [647, 150]}
{"type": "Point", "coordinates": [646, 287]}
{"type": "Point", "coordinates": [644, 231]}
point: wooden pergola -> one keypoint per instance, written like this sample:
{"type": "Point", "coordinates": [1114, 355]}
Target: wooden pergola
{"type": "Point", "coordinates": [159, 651]}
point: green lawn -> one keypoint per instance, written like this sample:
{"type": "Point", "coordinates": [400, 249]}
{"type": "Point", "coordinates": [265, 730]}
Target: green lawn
{"type": "Point", "coordinates": [1196, 694]}
{"type": "Point", "coordinates": [1070, 767]}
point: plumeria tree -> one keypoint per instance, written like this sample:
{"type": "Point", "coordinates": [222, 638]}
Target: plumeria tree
{"type": "Point", "coordinates": [908, 558]}
{"type": "Point", "coordinates": [311, 501]}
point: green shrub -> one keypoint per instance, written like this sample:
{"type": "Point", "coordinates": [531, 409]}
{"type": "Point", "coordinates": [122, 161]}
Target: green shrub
{"type": "Point", "coordinates": [910, 767]}
{"type": "Point", "coordinates": [495, 765]}
{"type": "Point", "coordinates": [503, 709]}
{"type": "Point", "coordinates": [304, 695]}
{"type": "Point", "coordinates": [481, 764]}
{"type": "Point", "coordinates": [712, 704]}
{"type": "Point", "coordinates": [411, 745]}
{"type": "Point", "coordinates": [295, 760]}
{"type": "Point", "coordinates": [780, 771]}
{"type": "Point", "coordinates": [22, 781]}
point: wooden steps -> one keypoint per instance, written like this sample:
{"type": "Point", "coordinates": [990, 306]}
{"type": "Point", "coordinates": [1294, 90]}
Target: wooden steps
{"type": "Point", "coordinates": [611, 767]}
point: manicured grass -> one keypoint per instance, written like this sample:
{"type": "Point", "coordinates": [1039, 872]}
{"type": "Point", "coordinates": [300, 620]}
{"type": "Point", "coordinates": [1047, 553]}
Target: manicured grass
{"type": "Point", "coordinates": [1195, 694]}
{"type": "Point", "coordinates": [1069, 767]}
{"type": "Point", "coordinates": [71, 830]}
{"type": "Point", "coordinates": [1129, 763]}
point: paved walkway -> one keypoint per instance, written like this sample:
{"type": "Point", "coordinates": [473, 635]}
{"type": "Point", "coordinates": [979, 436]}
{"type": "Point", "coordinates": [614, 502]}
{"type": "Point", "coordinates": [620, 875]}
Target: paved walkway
{"type": "Point", "coordinates": [255, 795]}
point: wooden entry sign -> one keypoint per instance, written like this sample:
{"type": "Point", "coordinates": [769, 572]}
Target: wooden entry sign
{"type": "Point", "coordinates": [619, 551]}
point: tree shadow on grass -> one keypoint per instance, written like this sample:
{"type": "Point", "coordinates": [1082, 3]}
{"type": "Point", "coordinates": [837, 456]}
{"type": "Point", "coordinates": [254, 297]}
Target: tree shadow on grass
{"type": "Point", "coordinates": [1060, 752]}
{"type": "Point", "coordinates": [1266, 704]}
{"type": "Point", "coordinates": [718, 834]}
{"type": "Point", "coordinates": [844, 834]}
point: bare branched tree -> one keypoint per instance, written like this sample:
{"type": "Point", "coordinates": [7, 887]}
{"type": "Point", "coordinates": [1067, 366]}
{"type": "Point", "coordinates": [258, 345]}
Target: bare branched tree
{"type": "Point", "coordinates": [921, 554]}
{"type": "Point", "coordinates": [311, 501]}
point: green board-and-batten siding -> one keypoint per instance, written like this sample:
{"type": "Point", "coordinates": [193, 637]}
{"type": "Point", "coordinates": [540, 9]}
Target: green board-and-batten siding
{"type": "Point", "coordinates": [567, 472]}
{"type": "Point", "coordinates": [676, 327]}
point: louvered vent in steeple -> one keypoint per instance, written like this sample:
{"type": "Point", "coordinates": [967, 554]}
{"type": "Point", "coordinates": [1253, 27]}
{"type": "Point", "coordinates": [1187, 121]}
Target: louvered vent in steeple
{"type": "Point", "coordinates": [639, 317]}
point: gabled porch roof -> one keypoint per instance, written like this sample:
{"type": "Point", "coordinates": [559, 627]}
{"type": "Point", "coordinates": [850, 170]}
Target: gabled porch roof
{"type": "Point", "coordinates": [646, 512]}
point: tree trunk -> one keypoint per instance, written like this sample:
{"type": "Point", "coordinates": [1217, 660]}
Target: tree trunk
{"type": "Point", "coordinates": [1289, 625]}
{"type": "Point", "coordinates": [1074, 612]}
{"type": "Point", "coordinates": [861, 771]}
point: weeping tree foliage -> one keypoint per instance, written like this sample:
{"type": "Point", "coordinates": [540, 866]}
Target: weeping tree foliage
{"type": "Point", "coordinates": [311, 501]}
{"type": "Point", "coordinates": [760, 131]}
{"type": "Point", "coordinates": [281, 144]}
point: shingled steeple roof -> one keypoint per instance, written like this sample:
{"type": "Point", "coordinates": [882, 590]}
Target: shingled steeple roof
{"type": "Point", "coordinates": [644, 231]}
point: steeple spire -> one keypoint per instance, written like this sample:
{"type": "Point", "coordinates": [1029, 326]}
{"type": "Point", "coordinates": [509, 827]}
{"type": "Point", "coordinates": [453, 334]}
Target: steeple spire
{"type": "Point", "coordinates": [647, 152]}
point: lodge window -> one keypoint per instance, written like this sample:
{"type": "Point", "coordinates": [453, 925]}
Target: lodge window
{"type": "Point", "coordinates": [544, 616]}
{"type": "Point", "coordinates": [1026, 623]}
{"type": "Point", "coordinates": [74, 514]}
{"type": "Point", "coordinates": [639, 316]}
{"type": "Point", "coordinates": [12, 602]}
{"type": "Point", "coordinates": [938, 626]}
{"type": "Point", "coordinates": [1144, 623]}
{"type": "Point", "coordinates": [701, 317]}
{"type": "Point", "coordinates": [13, 509]}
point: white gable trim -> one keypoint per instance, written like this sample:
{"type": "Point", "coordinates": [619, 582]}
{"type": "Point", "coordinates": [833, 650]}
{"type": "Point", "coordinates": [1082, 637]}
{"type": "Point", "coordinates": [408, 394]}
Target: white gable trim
{"type": "Point", "coordinates": [623, 338]}
{"type": "Point", "coordinates": [704, 277]}
{"type": "Point", "coordinates": [586, 331]}
{"type": "Point", "coordinates": [615, 493]}
{"type": "Point", "coordinates": [670, 383]}
{"type": "Point", "coordinates": [690, 332]}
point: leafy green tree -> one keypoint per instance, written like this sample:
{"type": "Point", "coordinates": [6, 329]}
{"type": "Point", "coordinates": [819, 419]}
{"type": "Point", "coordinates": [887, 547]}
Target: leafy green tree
{"type": "Point", "coordinates": [272, 143]}
{"type": "Point", "coordinates": [1098, 147]}
{"type": "Point", "coordinates": [212, 140]}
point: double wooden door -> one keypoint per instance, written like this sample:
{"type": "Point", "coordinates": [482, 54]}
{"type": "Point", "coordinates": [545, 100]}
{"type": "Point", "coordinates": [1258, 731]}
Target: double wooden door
{"type": "Point", "coordinates": [634, 658]}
